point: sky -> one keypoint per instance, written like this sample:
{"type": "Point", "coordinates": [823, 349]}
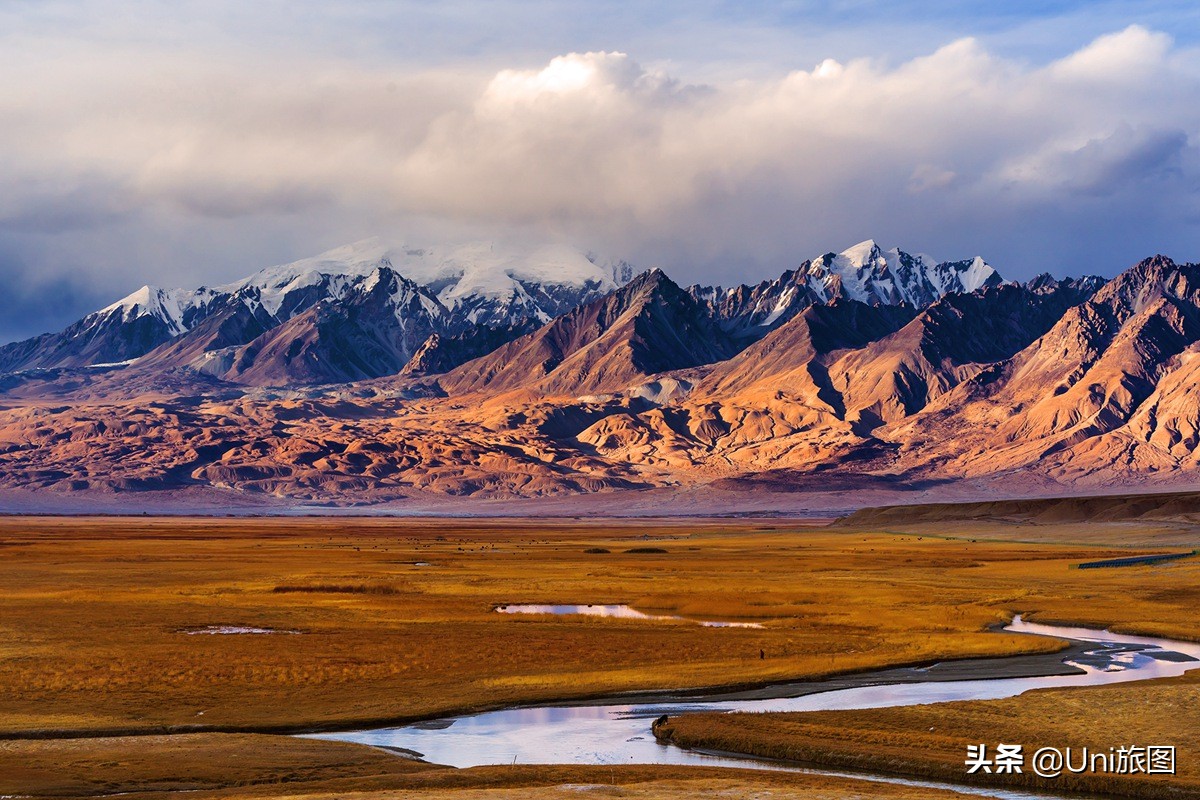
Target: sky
{"type": "Point", "coordinates": [191, 143]}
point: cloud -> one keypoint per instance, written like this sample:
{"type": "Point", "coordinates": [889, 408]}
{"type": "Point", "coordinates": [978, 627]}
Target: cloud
{"type": "Point", "coordinates": [33, 302]}
{"type": "Point", "coordinates": [1131, 56]}
{"type": "Point", "coordinates": [928, 177]}
{"type": "Point", "coordinates": [1127, 159]}
{"type": "Point", "coordinates": [172, 162]}
{"type": "Point", "coordinates": [593, 142]}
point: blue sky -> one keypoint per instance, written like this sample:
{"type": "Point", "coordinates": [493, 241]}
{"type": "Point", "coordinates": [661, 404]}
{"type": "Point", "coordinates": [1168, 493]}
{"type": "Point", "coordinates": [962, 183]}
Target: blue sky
{"type": "Point", "coordinates": [730, 38]}
{"type": "Point", "coordinates": [695, 34]}
{"type": "Point", "coordinates": [190, 143]}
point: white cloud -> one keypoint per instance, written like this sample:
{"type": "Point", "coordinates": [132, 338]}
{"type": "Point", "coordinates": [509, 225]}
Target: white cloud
{"type": "Point", "coordinates": [1130, 56]}
{"type": "Point", "coordinates": [956, 152]}
{"type": "Point", "coordinates": [582, 143]}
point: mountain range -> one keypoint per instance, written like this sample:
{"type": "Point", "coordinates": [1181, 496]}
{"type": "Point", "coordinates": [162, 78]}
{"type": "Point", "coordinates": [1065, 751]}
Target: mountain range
{"type": "Point", "coordinates": [384, 374]}
{"type": "Point", "coordinates": [355, 312]}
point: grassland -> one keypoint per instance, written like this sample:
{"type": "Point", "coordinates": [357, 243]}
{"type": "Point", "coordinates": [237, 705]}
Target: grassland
{"type": "Point", "coordinates": [265, 766]}
{"type": "Point", "coordinates": [189, 762]}
{"type": "Point", "coordinates": [931, 741]}
{"type": "Point", "coordinates": [394, 620]}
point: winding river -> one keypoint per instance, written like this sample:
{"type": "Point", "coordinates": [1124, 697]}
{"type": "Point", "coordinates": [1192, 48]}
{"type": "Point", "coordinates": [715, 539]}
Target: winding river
{"type": "Point", "coordinates": [618, 732]}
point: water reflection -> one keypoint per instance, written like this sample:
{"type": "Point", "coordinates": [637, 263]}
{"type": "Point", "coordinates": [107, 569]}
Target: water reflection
{"type": "Point", "coordinates": [617, 611]}
{"type": "Point", "coordinates": [615, 734]}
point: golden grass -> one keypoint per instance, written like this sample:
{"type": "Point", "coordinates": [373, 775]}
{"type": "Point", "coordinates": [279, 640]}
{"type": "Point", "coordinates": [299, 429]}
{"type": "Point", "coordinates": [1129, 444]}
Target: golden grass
{"type": "Point", "coordinates": [188, 762]}
{"type": "Point", "coordinates": [264, 766]}
{"type": "Point", "coordinates": [94, 613]}
{"type": "Point", "coordinates": [932, 740]}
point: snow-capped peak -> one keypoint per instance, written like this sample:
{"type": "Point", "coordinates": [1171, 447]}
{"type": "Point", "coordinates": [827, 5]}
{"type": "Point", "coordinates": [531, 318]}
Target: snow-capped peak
{"type": "Point", "coordinates": [976, 275]}
{"type": "Point", "coordinates": [868, 273]}
{"type": "Point", "coordinates": [489, 270]}
{"type": "Point", "coordinates": [168, 305]}
{"type": "Point", "coordinates": [140, 298]}
{"type": "Point", "coordinates": [861, 255]}
{"type": "Point", "coordinates": [339, 266]}
{"type": "Point", "coordinates": [460, 286]}
{"type": "Point", "coordinates": [454, 273]}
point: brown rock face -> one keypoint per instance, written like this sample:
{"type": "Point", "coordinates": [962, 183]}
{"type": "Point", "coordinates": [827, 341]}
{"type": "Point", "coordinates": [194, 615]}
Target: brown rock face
{"type": "Point", "coordinates": [1078, 399]}
{"type": "Point", "coordinates": [1027, 388]}
{"type": "Point", "coordinates": [647, 327]}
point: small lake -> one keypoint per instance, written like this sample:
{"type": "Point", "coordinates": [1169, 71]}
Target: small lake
{"type": "Point", "coordinates": [235, 630]}
{"type": "Point", "coordinates": [617, 611]}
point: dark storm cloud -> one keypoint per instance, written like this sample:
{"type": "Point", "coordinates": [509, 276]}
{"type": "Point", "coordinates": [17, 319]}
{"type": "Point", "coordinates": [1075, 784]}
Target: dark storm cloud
{"type": "Point", "coordinates": [33, 302]}
{"type": "Point", "coordinates": [1124, 158]}
{"type": "Point", "coordinates": [62, 203]}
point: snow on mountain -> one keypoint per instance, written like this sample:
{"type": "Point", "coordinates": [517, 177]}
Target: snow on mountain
{"type": "Point", "coordinates": [456, 275]}
{"type": "Point", "coordinates": [487, 284]}
{"type": "Point", "coordinates": [447, 290]}
{"type": "Point", "coordinates": [388, 300]}
{"type": "Point", "coordinates": [864, 272]}
{"type": "Point", "coordinates": [869, 274]}
{"type": "Point", "coordinates": [482, 283]}
{"type": "Point", "coordinates": [174, 307]}
{"type": "Point", "coordinates": [483, 270]}
{"type": "Point", "coordinates": [650, 325]}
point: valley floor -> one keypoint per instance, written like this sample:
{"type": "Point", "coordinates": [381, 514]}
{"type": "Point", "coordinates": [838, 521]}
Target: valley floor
{"type": "Point", "coordinates": [265, 766]}
{"type": "Point", "coordinates": [104, 631]}
{"type": "Point", "coordinates": [931, 741]}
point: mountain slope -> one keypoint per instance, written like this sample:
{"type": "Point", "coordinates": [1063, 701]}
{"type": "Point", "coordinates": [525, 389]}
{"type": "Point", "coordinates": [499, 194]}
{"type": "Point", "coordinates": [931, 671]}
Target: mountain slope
{"type": "Point", "coordinates": [864, 273]}
{"type": "Point", "coordinates": [950, 341]}
{"type": "Point", "coordinates": [812, 391]}
{"type": "Point", "coordinates": [484, 295]}
{"type": "Point", "coordinates": [1079, 399]}
{"type": "Point", "coordinates": [1009, 389]}
{"type": "Point", "coordinates": [201, 347]}
{"type": "Point", "coordinates": [373, 330]}
{"type": "Point", "coordinates": [648, 326]}
{"type": "Point", "coordinates": [477, 286]}
{"type": "Point", "coordinates": [127, 329]}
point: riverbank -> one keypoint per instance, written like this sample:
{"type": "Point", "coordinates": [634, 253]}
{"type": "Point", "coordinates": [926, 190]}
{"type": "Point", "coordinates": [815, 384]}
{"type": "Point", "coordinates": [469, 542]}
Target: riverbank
{"type": "Point", "coordinates": [261, 766]}
{"type": "Point", "coordinates": [931, 741]}
{"type": "Point", "coordinates": [1029, 665]}
{"type": "Point", "coordinates": [621, 733]}
{"type": "Point", "coordinates": [256, 763]}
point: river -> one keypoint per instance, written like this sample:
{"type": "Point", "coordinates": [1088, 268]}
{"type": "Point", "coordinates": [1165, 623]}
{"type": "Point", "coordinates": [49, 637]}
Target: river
{"type": "Point", "coordinates": [619, 732]}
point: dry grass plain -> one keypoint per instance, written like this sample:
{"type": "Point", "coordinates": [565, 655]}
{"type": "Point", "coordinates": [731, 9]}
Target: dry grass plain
{"type": "Point", "coordinates": [931, 741]}
{"type": "Point", "coordinates": [265, 766]}
{"type": "Point", "coordinates": [395, 618]}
